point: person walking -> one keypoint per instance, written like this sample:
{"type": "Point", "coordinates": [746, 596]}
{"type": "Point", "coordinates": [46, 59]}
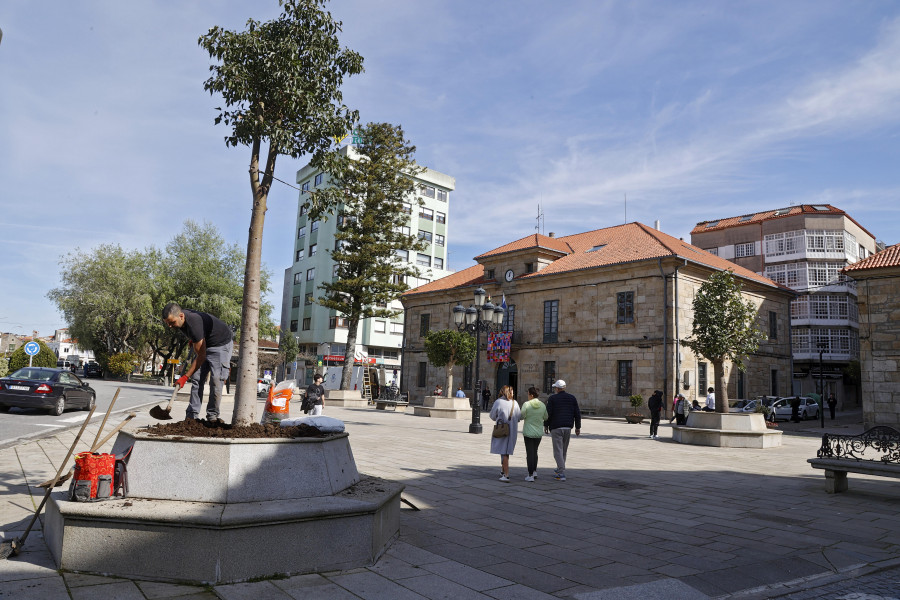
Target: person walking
{"type": "Point", "coordinates": [315, 394]}
{"type": "Point", "coordinates": [534, 413]}
{"type": "Point", "coordinates": [562, 414]}
{"type": "Point", "coordinates": [505, 410]}
{"type": "Point", "coordinates": [211, 340]}
{"type": "Point", "coordinates": [832, 404]}
{"type": "Point", "coordinates": [655, 404]}
{"type": "Point", "coordinates": [485, 398]}
{"type": "Point", "coordinates": [795, 409]}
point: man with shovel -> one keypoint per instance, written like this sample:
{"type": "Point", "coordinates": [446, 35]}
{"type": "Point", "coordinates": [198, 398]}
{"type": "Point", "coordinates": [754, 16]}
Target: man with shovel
{"type": "Point", "coordinates": [212, 343]}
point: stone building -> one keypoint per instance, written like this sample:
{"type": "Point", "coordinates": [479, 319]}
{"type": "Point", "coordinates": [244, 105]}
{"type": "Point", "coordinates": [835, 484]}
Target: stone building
{"type": "Point", "coordinates": [878, 284]}
{"type": "Point", "coordinates": [606, 311]}
{"type": "Point", "coordinates": [803, 247]}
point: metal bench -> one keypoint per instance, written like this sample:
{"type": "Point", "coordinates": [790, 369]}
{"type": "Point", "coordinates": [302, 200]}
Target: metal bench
{"type": "Point", "coordinates": [873, 452]}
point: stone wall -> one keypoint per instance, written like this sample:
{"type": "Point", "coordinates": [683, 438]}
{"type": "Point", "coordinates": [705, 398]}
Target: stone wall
{"type": "Point", "coordinates": [879, 333]}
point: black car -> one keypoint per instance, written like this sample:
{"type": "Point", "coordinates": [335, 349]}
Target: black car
{"type": "Point", "coordinates": [92, 369]}
{"type": "Point", "coordinates": [54, 390]}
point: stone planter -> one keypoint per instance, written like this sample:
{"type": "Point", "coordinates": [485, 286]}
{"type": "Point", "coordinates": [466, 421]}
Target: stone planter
{"type": "Point", "coordinates": [445, 408]}
{"type": "Point", "coordinates": [634, 418]}
{"type": "Point", "coordinates": [728, 430]}
{"type": "Point", "coordinates": [224, 510]}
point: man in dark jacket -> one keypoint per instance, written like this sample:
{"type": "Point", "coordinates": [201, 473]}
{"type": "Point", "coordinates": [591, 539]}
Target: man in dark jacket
{"type": "Point", "coordinates": [562, 414]}
{"type": "Point", "coordinates": [655, 404]}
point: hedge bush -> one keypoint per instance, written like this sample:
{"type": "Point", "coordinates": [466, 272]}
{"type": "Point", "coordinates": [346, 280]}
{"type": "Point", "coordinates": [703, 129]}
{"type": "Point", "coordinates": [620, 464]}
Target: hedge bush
{"type": "Point", "coordinates": [45, 358]}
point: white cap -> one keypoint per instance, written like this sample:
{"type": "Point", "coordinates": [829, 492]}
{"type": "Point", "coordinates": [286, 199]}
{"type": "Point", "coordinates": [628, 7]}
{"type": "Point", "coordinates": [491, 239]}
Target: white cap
{"type": "Point", "coordinates": [560, 384]}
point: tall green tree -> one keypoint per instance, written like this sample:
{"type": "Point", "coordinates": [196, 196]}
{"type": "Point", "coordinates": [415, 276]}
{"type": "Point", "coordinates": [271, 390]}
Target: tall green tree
{"type": "Point", "coordinates": [105, 297]}
{"type": "Point", "coordinates": [375, 179]}
{"type": "Point", "coordinates": [288, 348]}
{"type": "Point", "coordinates": [280, 81]}
{"type": "Point", "coordinates": [448, 348]}
{"type": "Point", "coordinates": [724, 329]}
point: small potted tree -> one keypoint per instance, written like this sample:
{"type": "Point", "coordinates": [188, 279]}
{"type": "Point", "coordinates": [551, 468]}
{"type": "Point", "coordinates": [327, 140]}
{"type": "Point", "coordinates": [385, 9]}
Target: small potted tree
{"type": "Point", "coordinates": [636, 402]}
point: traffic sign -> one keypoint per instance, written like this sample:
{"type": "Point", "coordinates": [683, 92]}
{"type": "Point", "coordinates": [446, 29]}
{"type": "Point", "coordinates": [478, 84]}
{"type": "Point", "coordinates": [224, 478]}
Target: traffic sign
{"type": "Point", "coordinates": [32, 348]}
{"type": "Point", "coordinates": [173, 361]}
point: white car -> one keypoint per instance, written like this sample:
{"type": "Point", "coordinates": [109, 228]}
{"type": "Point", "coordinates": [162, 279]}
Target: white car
{"type": "Point", "coordinates": [750, 406]}
{"type": "Point", "coordinates": [262, 387]}
{"type": "Point", "coordinates": [809, 408]}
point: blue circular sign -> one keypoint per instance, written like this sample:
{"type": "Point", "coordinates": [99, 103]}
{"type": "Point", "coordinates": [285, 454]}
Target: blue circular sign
{"type": "Point", "coordinates": [32, 348]}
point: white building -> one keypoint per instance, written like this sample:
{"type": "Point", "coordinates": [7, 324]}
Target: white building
{"type": "Point", "coordinates": [804, 248]}
{"type": "Point", "coordinates": [319, 330]}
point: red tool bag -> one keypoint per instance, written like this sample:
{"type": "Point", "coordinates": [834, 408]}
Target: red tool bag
{"type": "Point", "coordinates": [94, 475]}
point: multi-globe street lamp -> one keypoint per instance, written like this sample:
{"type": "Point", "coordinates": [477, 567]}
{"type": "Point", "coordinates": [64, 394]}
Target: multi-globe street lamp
{"type": "Point", "coordinates": [481, 316]}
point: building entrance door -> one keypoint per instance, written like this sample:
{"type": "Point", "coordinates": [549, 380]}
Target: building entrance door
{"type": "Point", "coordinates": [508, 374]}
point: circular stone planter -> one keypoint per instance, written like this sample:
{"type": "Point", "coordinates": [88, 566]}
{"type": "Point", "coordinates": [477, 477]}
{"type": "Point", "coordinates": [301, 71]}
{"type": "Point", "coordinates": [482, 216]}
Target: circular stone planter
{"type": "Point", "coordinates": [224, 510]}
{"type": "Point", "coordinates": [636, 419]}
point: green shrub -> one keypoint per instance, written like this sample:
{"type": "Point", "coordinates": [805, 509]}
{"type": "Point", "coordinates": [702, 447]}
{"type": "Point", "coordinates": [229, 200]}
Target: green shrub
{"type": "Point", "coordinates": [4, 366]}
{"type": "Point", "coordinates": [45, 358]}
{"type": "Point", "coordinates": [122, 364]}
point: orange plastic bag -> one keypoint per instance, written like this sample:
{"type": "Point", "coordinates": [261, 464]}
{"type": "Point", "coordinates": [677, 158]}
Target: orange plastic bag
{"type": "Point", "coordinates": [278, 404]}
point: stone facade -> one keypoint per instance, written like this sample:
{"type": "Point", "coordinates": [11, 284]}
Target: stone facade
{"type": "Point", "coordinates": [879, 324]}
{"type": "Point", "coordinates": [594, 344]}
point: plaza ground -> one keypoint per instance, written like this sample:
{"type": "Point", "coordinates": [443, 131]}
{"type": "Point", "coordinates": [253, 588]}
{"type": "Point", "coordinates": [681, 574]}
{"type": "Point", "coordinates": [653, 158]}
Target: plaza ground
{"type": "Point", "coordinates": [637, 518]}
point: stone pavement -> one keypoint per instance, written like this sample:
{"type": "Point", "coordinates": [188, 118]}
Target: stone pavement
{"type": "Point", "coordinates": [637, 518]}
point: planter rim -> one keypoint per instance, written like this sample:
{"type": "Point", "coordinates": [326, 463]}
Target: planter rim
{"type": "Point", "coordinates": [180, 439]}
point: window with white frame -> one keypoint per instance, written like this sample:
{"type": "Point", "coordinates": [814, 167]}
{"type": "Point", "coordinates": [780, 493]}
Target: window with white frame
{"type": "Point", "coordinates": [442, 195]}
{"type": "Point", "coordinates": [404, 230]}
{"type": "Point", "coordinates": [301, 232]}
{"type": "Point", "coordinates": [427, 191]}
{"type": "Point", "coordinates": [745, 249]}
{"type": "Point", "coordinates": [396, 328]}
{"type": "Point", "coordinates": [438, 239]}
{"type": "Point", "coordinates": [402, 254]}
{"type": "Point", "coordinates": [380, 326]}
{"type": "Point", "coordinates": [441, 217]}
{"type": "Point", "coordinates": [426, 213]}
{"type": "Point", "coordinates": [407, 207]}
{"type": "Point", "coordinates": [314, 226]}
{"type": "Point", "coordinates": [425, 235]}
{"type": "Point", "coordinates": [714, 251]}
{"type": "Point", "coordinates": [423, 260]}
{"type": "Point", "coordinates": [438, 263]}
{"type": "Point", "coordinates": [300, 254]}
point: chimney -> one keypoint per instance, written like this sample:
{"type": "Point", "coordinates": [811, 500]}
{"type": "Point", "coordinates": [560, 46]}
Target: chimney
{"type": "Point", "coordinates": [656, 224]}
{"type": "Point", "coordinates": [551, 234]}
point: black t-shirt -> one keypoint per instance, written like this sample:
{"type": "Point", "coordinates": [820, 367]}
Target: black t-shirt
{"type": "Point", "coordinates": [316, 393]}
{"type": "Point", "coordinates": [202, 326]}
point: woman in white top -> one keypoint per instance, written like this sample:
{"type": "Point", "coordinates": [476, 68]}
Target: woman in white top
{"type": "Point", "coordinates": [505, 410]}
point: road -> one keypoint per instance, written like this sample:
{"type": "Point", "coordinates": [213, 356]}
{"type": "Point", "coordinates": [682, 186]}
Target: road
{"type": "Point", "coordinates": [20, 423]}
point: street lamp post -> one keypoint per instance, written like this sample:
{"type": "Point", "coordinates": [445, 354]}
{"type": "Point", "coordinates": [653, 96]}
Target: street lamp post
{"type": "Point", "coordinates": [822, 347]}
{"type": "Point", "coordinates": [481, 316]}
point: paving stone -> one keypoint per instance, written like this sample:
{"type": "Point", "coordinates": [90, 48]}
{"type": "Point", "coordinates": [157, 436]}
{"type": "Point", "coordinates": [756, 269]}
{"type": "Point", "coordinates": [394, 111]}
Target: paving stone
{"type": "Point", "coordinates": [153, 590]}
{"type": "Point", "coordinates": [121, 590]}
{"type": "Point", "coordinates": [467, 576]}
{"type": "Point", "coordinates": [43, 588]}
{"type": "Point", "coordinates": [260, 590]}
{"type": "Point", "coordinates": [371, 586]}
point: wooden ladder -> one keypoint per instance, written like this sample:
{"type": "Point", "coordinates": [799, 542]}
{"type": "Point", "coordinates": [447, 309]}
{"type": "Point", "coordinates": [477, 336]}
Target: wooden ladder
{"type": "Point", "coordinates": [367, 385]}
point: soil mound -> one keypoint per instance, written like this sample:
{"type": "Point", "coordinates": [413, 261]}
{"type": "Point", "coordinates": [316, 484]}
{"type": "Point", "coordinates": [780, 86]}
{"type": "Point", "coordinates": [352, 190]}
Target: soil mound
{"type": "Point", "coordinates": [197, 428]}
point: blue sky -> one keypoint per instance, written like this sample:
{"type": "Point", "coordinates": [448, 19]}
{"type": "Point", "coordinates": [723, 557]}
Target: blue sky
{"type": "Point", "coordinates": [694, 110]}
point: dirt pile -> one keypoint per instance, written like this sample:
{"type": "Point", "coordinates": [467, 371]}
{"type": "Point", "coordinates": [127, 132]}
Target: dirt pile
{"type": "Point", "coordinates": [196, 428]}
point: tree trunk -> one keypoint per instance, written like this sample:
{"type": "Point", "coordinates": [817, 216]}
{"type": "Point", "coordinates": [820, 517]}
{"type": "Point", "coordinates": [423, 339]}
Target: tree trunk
{"type": "Point", "coordinates": [248, 356]}
{"type": "Point", "coordinates": [450, 393]}
{"type": "Point", "coordinates": [720, 386]}
{"type": "Point", "coordinates": [349, 353]}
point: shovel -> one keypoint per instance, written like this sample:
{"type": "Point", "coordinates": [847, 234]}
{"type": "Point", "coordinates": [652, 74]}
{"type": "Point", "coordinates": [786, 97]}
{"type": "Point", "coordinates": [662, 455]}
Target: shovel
{"type": "Point", "coordinates": [13, 547]}
{"type": "Point", "coordinates": [164, 414]}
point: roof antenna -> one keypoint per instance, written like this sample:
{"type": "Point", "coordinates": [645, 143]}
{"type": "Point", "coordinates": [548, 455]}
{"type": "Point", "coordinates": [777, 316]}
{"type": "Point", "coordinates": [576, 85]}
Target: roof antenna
{"type": "Point", "coordinates": [539, 224]}
{"type": "Point", "coordinates": [626, 206]}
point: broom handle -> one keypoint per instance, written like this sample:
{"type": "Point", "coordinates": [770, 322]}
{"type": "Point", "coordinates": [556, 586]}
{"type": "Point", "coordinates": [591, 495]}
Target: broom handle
{"type": "Point", "coordinates": [55, 479]}
{"type": "Point", "coordinates": [103, 424]}
{"type": "Point", "coordinates": [113, 432]}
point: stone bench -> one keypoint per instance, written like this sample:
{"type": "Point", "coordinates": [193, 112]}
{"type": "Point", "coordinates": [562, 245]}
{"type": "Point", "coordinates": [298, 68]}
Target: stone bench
{"type": "Point", "coordinates": [391, 405]}
{"type": "Point", "coordinates": [873, 452]}
{"type": "Point", "coordinates": [726, 430]}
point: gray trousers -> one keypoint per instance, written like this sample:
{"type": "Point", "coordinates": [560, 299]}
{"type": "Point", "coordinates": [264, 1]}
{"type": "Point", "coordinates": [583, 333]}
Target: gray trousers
{"type": "Point", "coordinates": [560, 438]}
{"type": "Point", "coordinates": [216, 365]}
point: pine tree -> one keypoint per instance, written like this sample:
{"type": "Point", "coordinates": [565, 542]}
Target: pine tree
{"type": "Point", "coordinates": [375, 179]}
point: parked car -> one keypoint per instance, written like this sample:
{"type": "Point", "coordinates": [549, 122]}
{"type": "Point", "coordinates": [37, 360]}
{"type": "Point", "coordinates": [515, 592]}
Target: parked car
{"type": "Point", "coordinates": [92, 369]}
{"type": "Point", "coordinates": [53, 390]}
{"type": "Point", "coordinates": [752, 404]}
{"type": "Point", "coordinates": [262, 387]}
{"type": "Point", "coordinates": [809, 408]}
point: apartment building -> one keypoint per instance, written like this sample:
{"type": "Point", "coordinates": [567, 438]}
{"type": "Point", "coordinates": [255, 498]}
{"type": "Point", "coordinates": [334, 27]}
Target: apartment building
{"type": "Point", "coordinates": [321, 331]}
{"type": "Point", "coordinates": [805, 248]}
{"type": "Point", "coordinates": [604, 310]}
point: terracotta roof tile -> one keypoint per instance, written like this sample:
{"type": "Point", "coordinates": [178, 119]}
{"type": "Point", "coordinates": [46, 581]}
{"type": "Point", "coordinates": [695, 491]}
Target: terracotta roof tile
{"type": "Point", "coordinates": [889, 257]}
{"type": "Point", "coordinates": [602, 247]}
{"type": "Point", "coordinates": [535, 240]}
{"type": "Point", "coordinates": [767, 215]}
